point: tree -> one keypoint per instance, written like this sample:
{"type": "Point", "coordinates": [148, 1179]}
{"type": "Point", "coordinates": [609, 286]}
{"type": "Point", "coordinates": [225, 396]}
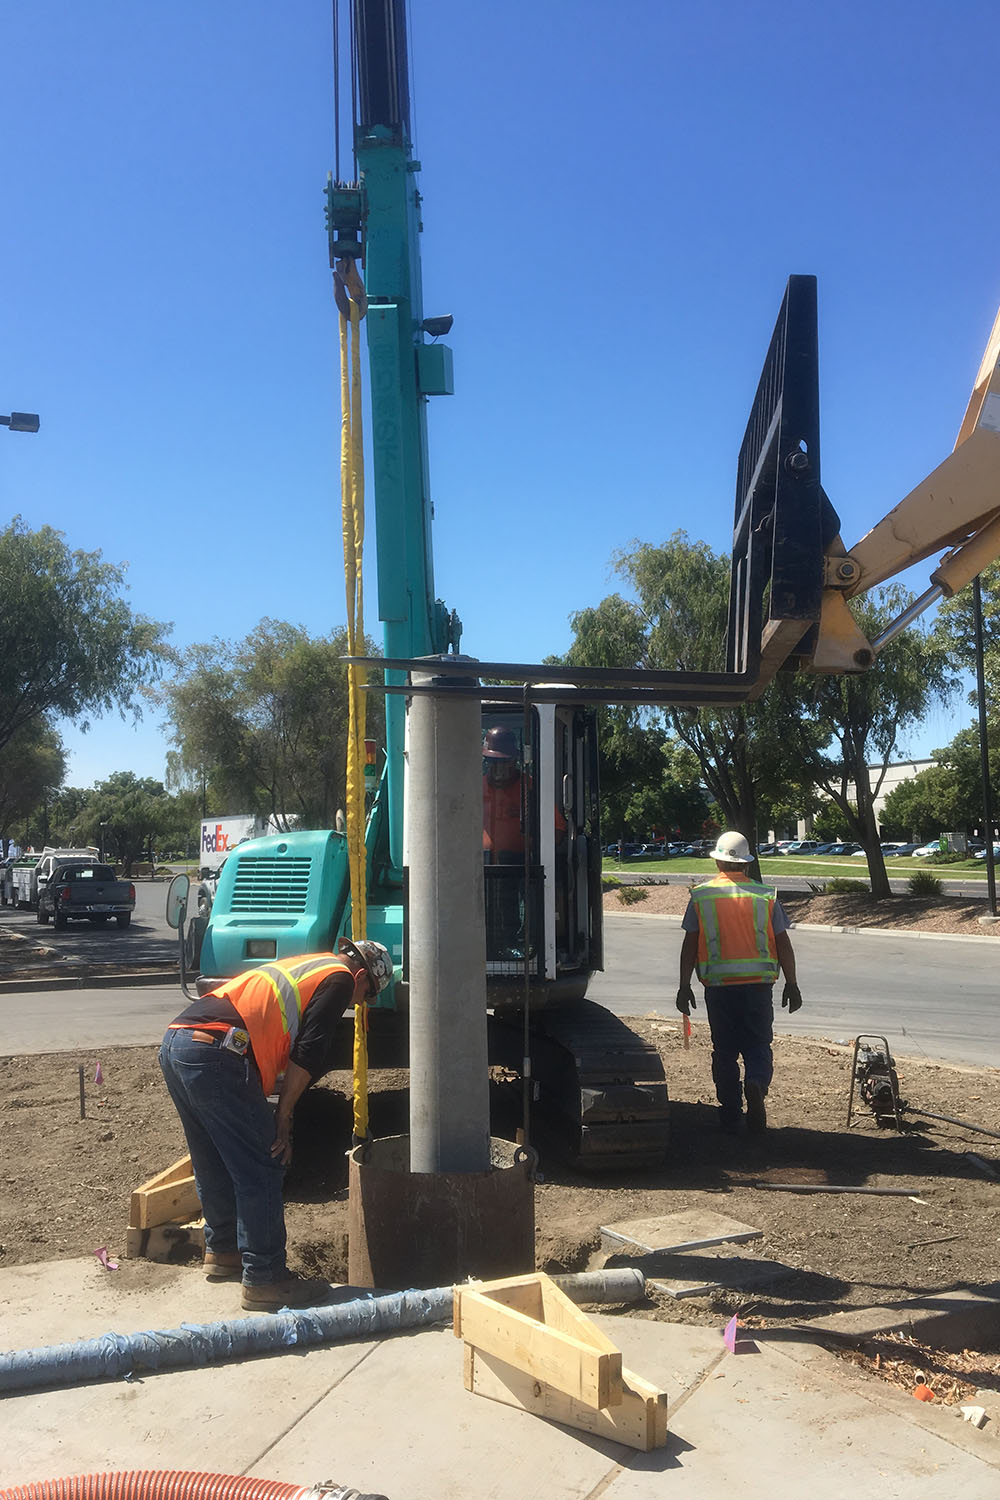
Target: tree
{"type": "Point", "coordinates": [32, 767]}
{"type": "Point", "coordinates": [261, 724]}
{"type": "Point", "coordinates": [855, 721]}
{"type": "Point", "coordinates": [71, 644]}
{"type": "Point", "coordinates": [924, 805]}
{"type": "Point", "coordinates": [679, 623]}
{"type": "Point", "coordinates": [125, 815]}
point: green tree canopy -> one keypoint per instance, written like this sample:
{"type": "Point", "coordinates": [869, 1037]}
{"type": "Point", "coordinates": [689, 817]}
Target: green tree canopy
{"type": "Point", "coordinates": [261, 723]}
{"type": "Point", "coordinates": [32, 767]}
{"type": "Point", "coordinates": [678, 623]}
{"type": "Point", "coordinates": [124, 815]}
{"type": "Point", "coordinates": [845, 724]}
{"type": "Point", "coordinates": [71, 644]}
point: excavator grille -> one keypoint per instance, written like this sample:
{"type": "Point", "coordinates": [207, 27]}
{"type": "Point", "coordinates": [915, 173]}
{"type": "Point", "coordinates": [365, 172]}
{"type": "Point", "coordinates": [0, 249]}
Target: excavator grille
{"type": "Point", "coordinates": [267, 884]}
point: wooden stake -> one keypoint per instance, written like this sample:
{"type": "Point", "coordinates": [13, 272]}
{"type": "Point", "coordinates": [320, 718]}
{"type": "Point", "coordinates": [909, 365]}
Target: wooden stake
{"type": "Point", "coordinates": [83, 1097]}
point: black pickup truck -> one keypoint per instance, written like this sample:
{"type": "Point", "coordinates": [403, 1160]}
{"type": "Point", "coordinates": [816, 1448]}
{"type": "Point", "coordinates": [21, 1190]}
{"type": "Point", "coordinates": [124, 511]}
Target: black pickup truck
{"type": "Point", "coordinates": [83, 891]}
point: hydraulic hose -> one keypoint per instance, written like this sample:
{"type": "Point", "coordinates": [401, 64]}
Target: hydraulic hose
{"type": "Point", "coordinates": [116, 1354]}
{"type": "Point", "coordinates": [168, 1484]}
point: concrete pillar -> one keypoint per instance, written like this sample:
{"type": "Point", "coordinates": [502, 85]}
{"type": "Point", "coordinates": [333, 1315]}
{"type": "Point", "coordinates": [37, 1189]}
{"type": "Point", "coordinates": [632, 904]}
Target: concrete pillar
{"type": "Point", "coordinates": [449, 1082]}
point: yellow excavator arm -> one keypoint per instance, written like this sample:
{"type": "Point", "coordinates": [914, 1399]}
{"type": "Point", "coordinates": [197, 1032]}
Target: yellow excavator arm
{"type": "Point", "coordinates": [956, 507]}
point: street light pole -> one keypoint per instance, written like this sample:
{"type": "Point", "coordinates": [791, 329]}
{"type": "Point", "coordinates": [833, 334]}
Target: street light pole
{"type": "Point", "coordinates": [984, 749]}
{"type": "Point", "coordinates": [21, 421]}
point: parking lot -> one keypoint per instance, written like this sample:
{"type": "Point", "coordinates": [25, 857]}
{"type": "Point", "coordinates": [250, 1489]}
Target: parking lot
{"type": "Point", "coordinates": [147, 943]}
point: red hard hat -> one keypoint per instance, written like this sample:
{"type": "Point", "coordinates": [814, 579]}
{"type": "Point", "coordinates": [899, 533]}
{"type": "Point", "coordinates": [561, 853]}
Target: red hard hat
{"type": "Point", "coordinates": [500, 744]}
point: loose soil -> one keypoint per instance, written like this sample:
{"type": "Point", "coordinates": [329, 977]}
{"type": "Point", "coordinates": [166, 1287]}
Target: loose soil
{"type": "Point", "coordinates": [65, 1181]}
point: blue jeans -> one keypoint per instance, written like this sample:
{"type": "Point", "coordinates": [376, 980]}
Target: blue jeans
{"type": "Point", "coordinates": [230, 1129]}
{"type": "Point", "coordinates": [741, 1019]}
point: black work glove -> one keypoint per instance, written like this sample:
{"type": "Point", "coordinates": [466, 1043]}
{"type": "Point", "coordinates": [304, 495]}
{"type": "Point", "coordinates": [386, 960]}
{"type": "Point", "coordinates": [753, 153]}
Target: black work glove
{"type": "Point", "coordinates": [792, 997]}
{"type": "Point", "coordinates": [686, 1002]}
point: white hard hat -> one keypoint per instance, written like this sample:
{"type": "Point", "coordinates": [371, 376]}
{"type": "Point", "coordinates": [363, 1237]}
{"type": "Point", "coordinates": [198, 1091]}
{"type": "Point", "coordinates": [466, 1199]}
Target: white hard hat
{"type": "Point", "coordinates": [374, 956]}
{"type": "Point", "coordinates": [732, 849]}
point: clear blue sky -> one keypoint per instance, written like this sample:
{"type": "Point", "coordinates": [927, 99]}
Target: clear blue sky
{"type": "Point", "coordinates": [614, 196]}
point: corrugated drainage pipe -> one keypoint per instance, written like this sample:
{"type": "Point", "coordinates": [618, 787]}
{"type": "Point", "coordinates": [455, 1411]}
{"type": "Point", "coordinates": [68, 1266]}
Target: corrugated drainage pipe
{"type": "Point", "coordinates": [116, 1354]}
{"type": "Point", "coordinates": [168, 1484]}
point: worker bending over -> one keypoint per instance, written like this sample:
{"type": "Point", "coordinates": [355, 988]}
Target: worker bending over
{"type": "Point", "coordinates": [221, 1059]}
{"type": "Point", "coordinates": [736, 933]}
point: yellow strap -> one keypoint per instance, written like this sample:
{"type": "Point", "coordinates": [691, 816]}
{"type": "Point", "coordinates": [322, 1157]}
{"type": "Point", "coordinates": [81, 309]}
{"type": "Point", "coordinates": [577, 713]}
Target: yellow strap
{"type": "Point", "coordinates": [352, 494]}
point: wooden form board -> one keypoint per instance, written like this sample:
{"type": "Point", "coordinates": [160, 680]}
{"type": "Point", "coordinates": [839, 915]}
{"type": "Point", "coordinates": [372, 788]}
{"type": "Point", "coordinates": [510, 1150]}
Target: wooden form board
{"type": "Point", "coordinates": [529, 1323]}
{"type": "Point", "coordinates": [527, 1345]}
{"type": "Point", "coordinates": [169, 1195]}
{"type": "Point", "coordinates": [640, 1421]}
{"type": "Point", "coordinates": [167, 1202]}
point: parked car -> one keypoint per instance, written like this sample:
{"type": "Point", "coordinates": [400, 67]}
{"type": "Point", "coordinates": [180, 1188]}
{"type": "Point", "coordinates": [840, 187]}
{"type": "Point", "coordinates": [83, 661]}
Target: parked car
{"type": "Point", "coordinates": [926, 850]}
{"type": "Point", "coordinates": [893, 851]}
{"type": "Point", "coordinates": [802, 846]}
{"type": "Point", "coordinates": [844, 849]}
{"type": "Point", "coordinates": [85, 892]}
{"type": "Point", "coordinates": [981, 853]}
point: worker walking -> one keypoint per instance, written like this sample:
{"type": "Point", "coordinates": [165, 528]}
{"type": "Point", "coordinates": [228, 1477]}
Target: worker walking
{"type": "Point", "coordinates": [736, 933]}
{"type": "Point", "coordinates": [221, 1060]}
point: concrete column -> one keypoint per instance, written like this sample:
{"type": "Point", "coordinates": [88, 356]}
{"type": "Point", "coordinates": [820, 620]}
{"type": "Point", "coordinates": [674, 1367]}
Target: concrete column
{"type": "Point", "coordinates": [449, 1082]}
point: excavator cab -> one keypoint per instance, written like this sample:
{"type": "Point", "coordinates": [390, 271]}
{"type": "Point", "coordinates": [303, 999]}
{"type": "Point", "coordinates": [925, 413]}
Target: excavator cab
{"type": "Point", "coordinates": [541, 851]}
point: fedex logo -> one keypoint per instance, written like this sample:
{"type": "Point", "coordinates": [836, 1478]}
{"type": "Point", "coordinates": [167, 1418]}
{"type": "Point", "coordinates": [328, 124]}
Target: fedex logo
{"type": "Point", "coordinates": [214, 840]}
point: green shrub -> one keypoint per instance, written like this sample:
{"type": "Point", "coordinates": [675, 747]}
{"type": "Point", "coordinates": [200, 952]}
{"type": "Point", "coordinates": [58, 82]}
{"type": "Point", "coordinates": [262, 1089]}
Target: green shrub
{"type": "Point", "coordinates": [630, 894]}
{"type": "Point", "coordinates": [923, 883]}
{"type": "Point", "coordinates": [839, 886]}
{"type": "Point", "coordinates": [610, 883]}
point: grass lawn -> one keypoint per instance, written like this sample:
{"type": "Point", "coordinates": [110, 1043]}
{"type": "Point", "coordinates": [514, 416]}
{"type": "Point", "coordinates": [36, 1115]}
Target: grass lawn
{"type": "Point", "coordinates": [845, 866]}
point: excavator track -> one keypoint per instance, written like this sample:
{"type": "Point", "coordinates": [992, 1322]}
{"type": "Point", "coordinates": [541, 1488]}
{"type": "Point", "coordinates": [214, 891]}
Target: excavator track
{"type": "Point", "coordinates": [599, 1086]}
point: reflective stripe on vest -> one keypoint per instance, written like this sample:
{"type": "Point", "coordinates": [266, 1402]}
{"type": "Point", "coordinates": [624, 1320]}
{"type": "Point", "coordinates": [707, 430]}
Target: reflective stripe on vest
{"type": "Point", "coordinates": [274, 1028]}
{"type": "Point", "coordinates": [727, 953]}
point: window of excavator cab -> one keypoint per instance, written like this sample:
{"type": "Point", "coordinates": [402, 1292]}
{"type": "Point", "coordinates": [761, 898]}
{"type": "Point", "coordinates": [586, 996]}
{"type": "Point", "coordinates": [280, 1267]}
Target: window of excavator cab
{"type": "Point", "coordinates": [506, 761]}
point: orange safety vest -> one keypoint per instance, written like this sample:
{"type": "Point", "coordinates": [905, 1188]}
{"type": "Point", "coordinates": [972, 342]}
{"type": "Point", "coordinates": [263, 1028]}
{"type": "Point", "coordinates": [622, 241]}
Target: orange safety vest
{"type": "Point", "coordinates": [735, 932]}
{"type": "Point", "coordinates": [502, 831]}
{"type": "Point", "coordinates": [271, 1000]}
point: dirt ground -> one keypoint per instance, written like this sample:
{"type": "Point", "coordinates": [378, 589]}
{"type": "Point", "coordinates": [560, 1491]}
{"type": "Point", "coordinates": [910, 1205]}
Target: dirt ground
{"type": "Point", "coordinates": [65, 1181]}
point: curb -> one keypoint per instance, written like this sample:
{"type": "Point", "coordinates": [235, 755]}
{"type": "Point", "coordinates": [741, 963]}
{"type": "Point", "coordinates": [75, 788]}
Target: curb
{"type": "Point", "coordinates": [88, 982]}
{"type": "Point", "coordinates": [884, 932]}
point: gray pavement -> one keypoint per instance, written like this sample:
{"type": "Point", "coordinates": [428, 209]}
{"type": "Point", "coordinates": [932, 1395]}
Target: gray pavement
{"type": "Point", "coordinates": [933, 997]}
{"type": "Point", "coordinates": [782, 1419]}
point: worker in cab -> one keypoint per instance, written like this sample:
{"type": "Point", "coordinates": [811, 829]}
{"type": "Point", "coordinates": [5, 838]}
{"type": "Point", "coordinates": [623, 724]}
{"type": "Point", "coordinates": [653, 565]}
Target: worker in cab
{"type": "Point", "coordinates": [222, 1059]}
{"type": "Point", "coordinates": [736, 935]}
{"type": "Point", "coordinates": [505, 792]}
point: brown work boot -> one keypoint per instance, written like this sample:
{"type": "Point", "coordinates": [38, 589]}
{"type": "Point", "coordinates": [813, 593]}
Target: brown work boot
{"type": "Point", "coordinates": [222, 1265]}
{"type": "Point", "coordinates": [290, 1291]}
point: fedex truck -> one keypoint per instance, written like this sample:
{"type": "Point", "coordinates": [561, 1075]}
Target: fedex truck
{"type": "Point", "coordinates": [219, 836]}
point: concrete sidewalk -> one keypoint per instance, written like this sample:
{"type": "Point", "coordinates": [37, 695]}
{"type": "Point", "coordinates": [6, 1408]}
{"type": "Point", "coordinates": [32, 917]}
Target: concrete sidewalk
{"type": "Point", "coordinates": [784, 1419]}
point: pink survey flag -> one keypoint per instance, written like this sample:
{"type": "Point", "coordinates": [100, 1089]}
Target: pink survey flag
{"type": "Point", "coordinates": [730, 1333]}
{"type": "Point", "coordinates": [98, 1074]}
{"type": "Point", "coordinates": [105, 1259]}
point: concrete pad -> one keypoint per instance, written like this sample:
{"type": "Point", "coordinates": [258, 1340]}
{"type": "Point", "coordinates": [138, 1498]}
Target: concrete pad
{"type": "Point", "coordinates": [216, 1419]}
{"type": "Point", "coordinates": [763, 1425]}
{"type": "Point", "coordinates": [703, 1271]}
{"type": "Point", "coordinates": [944, 1320]}
{"type": "Point", "coordinates": [691, 1229]}
{"type": "Point", "coordinates": [404, 1424]}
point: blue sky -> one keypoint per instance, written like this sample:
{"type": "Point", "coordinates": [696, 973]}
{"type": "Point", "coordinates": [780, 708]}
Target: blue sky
{"type": "Point", "coordinates": [614, 197]}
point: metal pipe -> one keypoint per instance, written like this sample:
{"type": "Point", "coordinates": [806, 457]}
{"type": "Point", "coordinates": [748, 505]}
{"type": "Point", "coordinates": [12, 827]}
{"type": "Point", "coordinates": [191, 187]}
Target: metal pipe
{"type": "Point", "coordinates": [984, 749]}
{"type": "Point", "coordinates": [449, 1067]}
{"type": "Point", "coordinates": [950, 1120]}
{"type": "Point", "coordinates": [907, 617]}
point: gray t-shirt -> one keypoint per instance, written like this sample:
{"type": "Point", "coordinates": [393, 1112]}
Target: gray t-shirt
{"type": "Point", "coordinates": [779, 918]}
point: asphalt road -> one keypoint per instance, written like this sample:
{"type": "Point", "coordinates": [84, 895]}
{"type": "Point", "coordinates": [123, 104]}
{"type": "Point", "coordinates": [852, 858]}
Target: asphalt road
{"type": "Point", "coordinates": [931, 997]}
{"type": "Point", "coordinates": [146, 941]}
